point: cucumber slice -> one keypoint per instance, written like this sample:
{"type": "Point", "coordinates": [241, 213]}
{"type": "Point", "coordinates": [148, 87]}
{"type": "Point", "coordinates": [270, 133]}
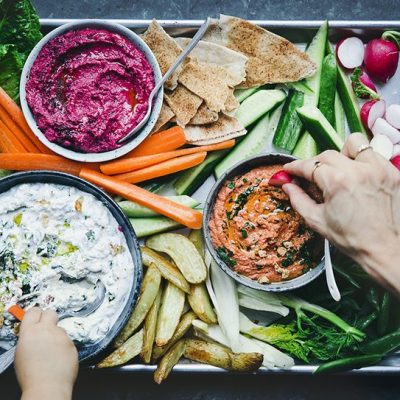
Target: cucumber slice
{"type": "Point", "coordinates": [340, 117]}
{"type": "Point", "coordinates": [150, 226]}
{"type": "Point", "coordinates": [319, 127]}
{"type": "Point", "coordinates": [243, 94]}
{"type": "Point", "coordinates": [348, 98]}
{"type": "Point", "coordinates": [328, 88]}
{"type": "Point", "coordinates": [253, 143]}
{"type": "Point", "coordinates": [135, 210]}
{"type": "Point", "coordinates": [301, 86]}
{"type": "Point", "coordinates": [316, 51]}
{"type": "Point", "coordinates": [190, 180]}
{"type": "Point", "coordinates": [289, 128]}
{"type": "Point", "coordinates": [259, 104]}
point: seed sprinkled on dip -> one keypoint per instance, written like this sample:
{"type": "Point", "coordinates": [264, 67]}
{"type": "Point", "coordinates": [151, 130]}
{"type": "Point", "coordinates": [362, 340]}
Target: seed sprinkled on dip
{"type": "Point", "coordinates": [88, 88]}
{"type": "Point", "coordinates": [257, 233]}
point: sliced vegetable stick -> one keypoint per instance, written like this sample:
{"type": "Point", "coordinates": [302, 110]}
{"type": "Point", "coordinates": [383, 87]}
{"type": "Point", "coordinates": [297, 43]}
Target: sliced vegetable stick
{"type": "Point", "coordinates": [18, 132]}
{"type": "Point", "coordinates": [12, 138]}
{"type": "Point", "coordinates": [184, 254]}
{"type": "Point", "coordinates": [167, 269]}
{"type": "Point", "coordinates": [196, 237]}
{"type": "Point", "coordinates": [179, 213]}
{"type": "Point", "coordinates": [201, 305]}
{"type": "Point", "coordinates": [150, 287]}
{"type": "Point", "coordinates": [170, 139]}
{"type": "Point", "coordinates": [164, 168]}
{"type": "Point", "coordinates": [16, 114]}
{"type": "Point", "coordinates": [134, 163]}
{"type": "Point", "coordinates": [150, 325]}
{"type": "Point", "coordinates": [170, 313]}
{"type": "Point", "coordinates": [184, 325]}
{"type": "Point", "coordinates": [28, 162]}
{"type": "Point", "coordinates": [168, 362]}
{"type": "Point", "coordinates": [17, 312]}
{"type": "Point", "coordinates": [220, 356]}
{"type": "Point", "coordinates": [128, 350]}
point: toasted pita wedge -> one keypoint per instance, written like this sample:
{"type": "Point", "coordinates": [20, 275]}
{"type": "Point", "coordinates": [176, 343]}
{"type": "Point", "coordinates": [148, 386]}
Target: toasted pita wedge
{"type": "Point", "coordinates": [271, 58]}
{"type": "Point", "coordinates": [184, 104]}
{"type": "Point", "coordinates": [204, 116]}
{"type": "Point", "coordinates": [209, 81]}
{"type": "Point", "coordinates": [165, 49]}
{"type": "Point", "coordinates": [220, 139]}
{"type": "Point", "coordinates": [212, 53]}
{"type": "Point", "coordinates": [225, 128]}
{"type": "Point", "coordinates": [231, 103]}
{"type": "Point", "coordinates": [166, 115]}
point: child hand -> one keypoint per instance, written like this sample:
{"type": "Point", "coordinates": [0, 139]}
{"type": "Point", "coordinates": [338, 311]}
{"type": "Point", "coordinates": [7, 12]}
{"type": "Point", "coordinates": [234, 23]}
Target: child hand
{"type": "Point", "coordinates": [46, 360]}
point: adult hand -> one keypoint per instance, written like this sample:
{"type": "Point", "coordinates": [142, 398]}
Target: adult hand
{"type": "Point", "coordinates": [46, 360]}
{"type": "Point", "coordinates": [361, 209]}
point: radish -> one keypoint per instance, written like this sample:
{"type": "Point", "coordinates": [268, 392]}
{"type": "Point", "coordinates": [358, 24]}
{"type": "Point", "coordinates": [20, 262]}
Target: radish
{"type": "Point", "coordinates": [381, 59]}
{"type": "Point", "coordinates": [382, 127]}
{"type": "Point", "coordinates": [350, 52]}
{"type": "Point", "coordinates": [393, 115]}
{"type": "Point", "coordinates": [382, 145]}
{"type": "Point", "coordinates": [364, 112]}
{"type": "Point", "coordinates": [280, 178]}
{"type": "Point", "coordinates": [371, 111]}
{"type": "Point", "coordinates": [362, 85]}
{"type": "Point", "coordinates": [396, 161]}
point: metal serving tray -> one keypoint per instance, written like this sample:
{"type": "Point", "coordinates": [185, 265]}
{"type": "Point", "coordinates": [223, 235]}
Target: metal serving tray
{"type": "Point", "coordinates": [300, 33]}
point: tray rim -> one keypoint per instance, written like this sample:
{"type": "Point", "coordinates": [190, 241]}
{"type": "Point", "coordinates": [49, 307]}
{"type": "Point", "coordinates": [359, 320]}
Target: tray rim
{"type": "Point", "coordinates": [184, 368]}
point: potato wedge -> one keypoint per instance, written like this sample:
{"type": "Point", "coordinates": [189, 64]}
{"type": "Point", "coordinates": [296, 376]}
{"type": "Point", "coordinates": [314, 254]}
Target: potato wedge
{"type": "Point", "coordinates": [168, 362]}
{"type": "Point", "coordinates": [220, 356]}
{"type": "Point", "coordinates": [184, 254]}
{"type": "Point", "coordinates": [196, 237]}
{"type": "Point", "coordinates": [150, 286]}
{"type": "Point", "coordinates": [166, 268]}
{"type": "Point", "coordinates": [150, 325]}
{"type": "Point", "coordinates": [130, 349]}
{"type": "Point", "coordinates": [201, 305]}
{"type": "Point", "coordinates": [173, 300]}
{"type": "Point", "coordinates": [184, 325]}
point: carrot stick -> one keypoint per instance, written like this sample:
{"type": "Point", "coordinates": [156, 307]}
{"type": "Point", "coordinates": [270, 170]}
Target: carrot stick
{"type": "Point", "coordinates": [132, 164]}
{"type": "Point", "coordinates": [18, 117]}
{"type": "Point", "coordinates": [178, 212]}
{"type": "Point", "coordinates": [164, 168]}
{"type": "Point", "coordinates": [14, 144]}
{"type": "Point", "coordinates": [17, 312]}
{"type": "Point", "coordinates": [30, 161]}
{"type": "Point", "coordinates": [17, 131]}
{"type": "Point", "coordinates": [159, 142]}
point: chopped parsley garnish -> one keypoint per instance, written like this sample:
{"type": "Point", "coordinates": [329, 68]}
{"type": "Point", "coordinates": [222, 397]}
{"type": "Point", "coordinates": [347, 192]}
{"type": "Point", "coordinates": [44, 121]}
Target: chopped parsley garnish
{"type": "Point", "coordinates": [231, 185]}
{"type": "Point", "coordinates": [289, 259]}
{"type": "Point", "coordinates": [244, 233]}
{"type": "Point", "coordinates": [226, 256]}
{"type": "Point", "coordinates": [90, 236]}
{"type": "Point", "coordinates": [229, 214]}
{"type": "Point", "coordinates": [245, 180]}
{"type": "Point", "coordinates": [259, 267]}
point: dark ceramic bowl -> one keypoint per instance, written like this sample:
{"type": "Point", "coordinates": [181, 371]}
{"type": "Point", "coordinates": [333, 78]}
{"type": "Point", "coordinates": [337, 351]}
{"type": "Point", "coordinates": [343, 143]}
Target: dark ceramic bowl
{"type": "Point", "coordinates": [240, 169]}
{"type": "Point", "coordinates": [90, 350]}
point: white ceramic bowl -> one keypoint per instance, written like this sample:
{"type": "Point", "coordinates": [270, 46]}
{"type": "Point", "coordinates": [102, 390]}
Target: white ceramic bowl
{"type": "Point", "coordinates": [131, 144]}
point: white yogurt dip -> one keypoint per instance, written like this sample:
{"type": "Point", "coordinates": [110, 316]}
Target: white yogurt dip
{"type": "Point", "coordinates": [46, 229]}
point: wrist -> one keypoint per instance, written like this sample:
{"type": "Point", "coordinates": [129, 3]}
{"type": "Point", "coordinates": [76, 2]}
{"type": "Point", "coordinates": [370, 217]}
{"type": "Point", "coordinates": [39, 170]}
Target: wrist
{"type": "Point", "coordinates": [48, 391]}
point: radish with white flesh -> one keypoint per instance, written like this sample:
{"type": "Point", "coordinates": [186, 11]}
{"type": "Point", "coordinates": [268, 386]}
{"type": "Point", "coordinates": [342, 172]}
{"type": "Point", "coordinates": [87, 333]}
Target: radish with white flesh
{"type": "Point", "coordinates": [393, 115]}
{"type": "Point", "coordinates": [350, 52]}
{"type": "Point", "coordinates": [382, 145]}
{"type": "Point", "coordinates": [280, 178]}
{"type": "Point", "coordinates": [382, 127]}
{"type": "Point", "coordinates": [396, 161]}
{"type": "Point", "coordinates": [381, 59]}
{"type": "Point", "coordinates": [364, 112]}
{"type": "Point", "coordinates": [376, 111]}
{"type": "Point", "coordinates": [396, 150]}
{"type": "Point", "coordinates": [362, 85]}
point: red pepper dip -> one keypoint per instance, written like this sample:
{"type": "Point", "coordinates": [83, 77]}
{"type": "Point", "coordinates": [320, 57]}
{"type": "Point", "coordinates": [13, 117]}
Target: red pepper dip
{"type": "Point", "coordinates": [258, 234]}
{"type": "Point", "coordinates": [88, 88]}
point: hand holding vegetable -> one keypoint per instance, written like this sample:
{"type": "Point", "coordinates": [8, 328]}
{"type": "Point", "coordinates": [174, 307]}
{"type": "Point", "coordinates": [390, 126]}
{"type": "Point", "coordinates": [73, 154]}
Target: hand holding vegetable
{"type": "Point", "coordinates": [361, 212]}
{"type": "Point", "coordinates": [46, 361]}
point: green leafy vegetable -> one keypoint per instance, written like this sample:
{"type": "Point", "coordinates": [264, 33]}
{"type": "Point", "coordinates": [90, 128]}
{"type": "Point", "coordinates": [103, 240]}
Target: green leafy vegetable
{"type": "Point", "coordinates": [360, 89]}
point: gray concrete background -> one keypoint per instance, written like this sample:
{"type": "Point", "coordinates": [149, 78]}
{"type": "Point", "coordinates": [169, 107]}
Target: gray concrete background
{"type": "Point", "coordinates": [201, 387]}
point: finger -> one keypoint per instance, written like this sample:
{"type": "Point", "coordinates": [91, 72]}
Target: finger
{"type": "Point", "coordinates": [49, 317]}
{"type": "Point", "coordinates": [353, 145]}
{"type": "Point", "coordinates": [32, 317]}
{"type": "Point", "coordinates": [306, 207]}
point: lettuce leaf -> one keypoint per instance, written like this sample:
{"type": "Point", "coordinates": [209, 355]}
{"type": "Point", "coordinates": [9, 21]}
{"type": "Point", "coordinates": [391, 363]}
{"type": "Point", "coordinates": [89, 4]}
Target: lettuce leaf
{"type": "Point", "coordinates": [19, 32]}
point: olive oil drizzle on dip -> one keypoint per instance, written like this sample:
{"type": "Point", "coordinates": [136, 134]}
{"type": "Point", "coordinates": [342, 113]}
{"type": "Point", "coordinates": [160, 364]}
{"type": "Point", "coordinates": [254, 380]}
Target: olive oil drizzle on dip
{"type": "Point", "coordinates": [257, 233]}
{"type": "Point", "coordinates": [47, 230]}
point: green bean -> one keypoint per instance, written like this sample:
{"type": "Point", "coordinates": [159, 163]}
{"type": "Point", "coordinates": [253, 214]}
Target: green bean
{"type": "Point", "coordinates": [373, 298]}
{"type": "Point", "coordinates": [382, 345]}
{"type": "Point", "coordinates": [345, 364]}
{"type": "Point", "coordinates": [383, 319]}
{"type": "Point", "coordinates": [367, 320]}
